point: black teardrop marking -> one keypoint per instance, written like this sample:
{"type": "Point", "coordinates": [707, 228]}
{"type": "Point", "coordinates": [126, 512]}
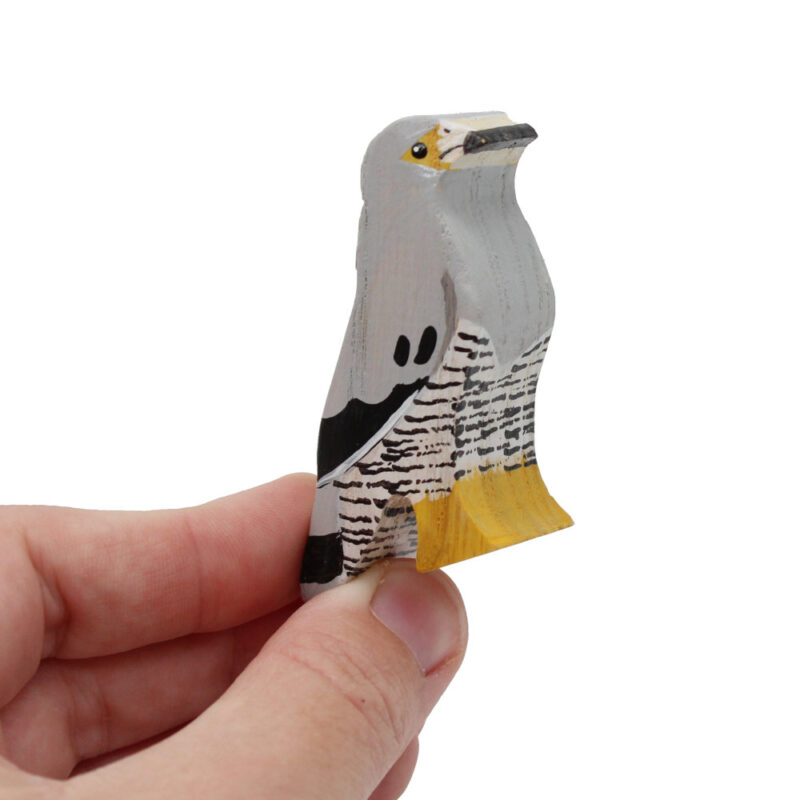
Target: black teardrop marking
{"type": "Point", "coordinates": [401, 351]}
{"type": "Point", "coordinates": [427, 344]}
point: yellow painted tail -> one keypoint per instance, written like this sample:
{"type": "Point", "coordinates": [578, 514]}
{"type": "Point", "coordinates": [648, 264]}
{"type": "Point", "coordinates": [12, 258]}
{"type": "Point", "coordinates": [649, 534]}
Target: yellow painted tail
{"type": "Point", "coordinates": [486, 511]}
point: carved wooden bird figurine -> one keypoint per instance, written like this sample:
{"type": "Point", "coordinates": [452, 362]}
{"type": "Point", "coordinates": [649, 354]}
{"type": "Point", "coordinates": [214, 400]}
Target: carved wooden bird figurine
{"type": "Point", "coordinates": [426, 443]}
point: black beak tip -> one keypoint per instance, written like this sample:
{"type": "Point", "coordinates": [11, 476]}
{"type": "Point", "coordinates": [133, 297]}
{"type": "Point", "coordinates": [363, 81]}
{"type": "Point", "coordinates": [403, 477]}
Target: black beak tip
{"type": "Point", "coordinates": [502, 138]}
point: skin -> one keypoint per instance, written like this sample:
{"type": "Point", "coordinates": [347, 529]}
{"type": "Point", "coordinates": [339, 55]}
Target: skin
{"type": "Point", "coordinates": [165, 654]}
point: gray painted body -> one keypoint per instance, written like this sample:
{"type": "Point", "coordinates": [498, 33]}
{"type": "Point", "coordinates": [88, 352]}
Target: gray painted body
{"type": "Point", "coordinates": [418, 227]}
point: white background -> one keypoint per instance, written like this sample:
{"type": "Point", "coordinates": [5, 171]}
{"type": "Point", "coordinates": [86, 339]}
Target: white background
{"type": "Point", "coordinates": [179, 194]}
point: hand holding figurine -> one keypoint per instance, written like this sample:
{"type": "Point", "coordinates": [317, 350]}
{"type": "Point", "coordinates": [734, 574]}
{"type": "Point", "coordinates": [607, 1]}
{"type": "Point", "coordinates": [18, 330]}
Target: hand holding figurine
{"type": "Point", "coordinates": [165, 654]}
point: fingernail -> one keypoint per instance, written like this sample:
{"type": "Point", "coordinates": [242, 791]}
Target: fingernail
{"type": "Point", "coordinates": [423, 609]}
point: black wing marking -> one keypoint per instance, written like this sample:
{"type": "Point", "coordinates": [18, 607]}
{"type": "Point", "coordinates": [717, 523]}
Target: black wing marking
{"type": "Point", "coordinates": [346, 432]}
{"type": "Point", "coordinates": [323, 558]}
{"type": "Point", "coordinates": [401, 351]}
{"type": "Point", "coordinates": [427, 344]}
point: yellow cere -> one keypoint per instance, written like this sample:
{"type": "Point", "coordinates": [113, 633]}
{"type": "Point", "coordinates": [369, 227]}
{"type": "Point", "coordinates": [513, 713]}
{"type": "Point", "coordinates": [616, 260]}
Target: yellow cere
{"type": "Point", "coordinates": [430, 140]}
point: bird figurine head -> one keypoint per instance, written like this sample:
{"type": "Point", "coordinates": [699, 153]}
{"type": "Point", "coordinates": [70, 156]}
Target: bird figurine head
{"type": "Point", "coordinates": [434, 145]}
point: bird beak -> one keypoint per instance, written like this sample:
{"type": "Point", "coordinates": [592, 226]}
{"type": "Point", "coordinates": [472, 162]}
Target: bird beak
{"type": "Point", "coordinates": [503, 138]}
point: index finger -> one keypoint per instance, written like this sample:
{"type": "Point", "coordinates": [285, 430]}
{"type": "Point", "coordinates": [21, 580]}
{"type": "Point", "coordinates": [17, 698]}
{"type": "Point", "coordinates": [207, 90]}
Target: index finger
{"type": "Point", "coordinates": [114, 581]}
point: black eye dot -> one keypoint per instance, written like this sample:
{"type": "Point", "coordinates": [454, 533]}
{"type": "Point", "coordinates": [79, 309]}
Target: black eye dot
{"type": "Point", "coordinates": [419, 150]}
{"type": "Point", "coordinates": [445, 130]}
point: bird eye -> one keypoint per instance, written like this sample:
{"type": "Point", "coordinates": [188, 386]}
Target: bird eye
{"type": "Point", "coordinates": [445, 130]}
{"type": "Point", "coordinates": [419, 150]}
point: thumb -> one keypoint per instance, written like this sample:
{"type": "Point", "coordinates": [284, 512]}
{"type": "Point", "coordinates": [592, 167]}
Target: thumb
{"type": "Point", "coordinates": [329, 705]}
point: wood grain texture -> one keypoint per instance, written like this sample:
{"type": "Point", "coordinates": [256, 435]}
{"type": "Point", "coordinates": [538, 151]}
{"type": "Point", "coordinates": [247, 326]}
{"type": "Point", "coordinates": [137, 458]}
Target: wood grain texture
{"type": "Point", "coordinates": [485, 511]}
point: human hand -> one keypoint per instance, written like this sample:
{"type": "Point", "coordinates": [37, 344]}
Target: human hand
{"type": "Point", "coordinates": [165, 654]}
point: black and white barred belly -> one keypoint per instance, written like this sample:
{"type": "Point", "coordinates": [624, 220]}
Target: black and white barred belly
{"type": "Point", "coordinates": [472, 415]}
